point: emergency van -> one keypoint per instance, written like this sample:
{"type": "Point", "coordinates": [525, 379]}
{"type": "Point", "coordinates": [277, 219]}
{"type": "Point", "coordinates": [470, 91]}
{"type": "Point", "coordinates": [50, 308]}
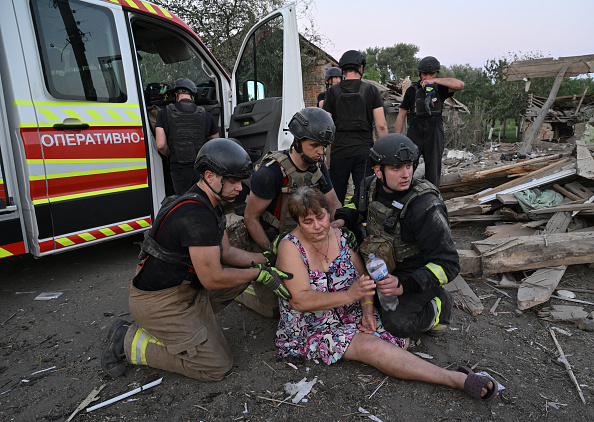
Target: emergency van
{"type": "Point", "coordinates": [79, 80]}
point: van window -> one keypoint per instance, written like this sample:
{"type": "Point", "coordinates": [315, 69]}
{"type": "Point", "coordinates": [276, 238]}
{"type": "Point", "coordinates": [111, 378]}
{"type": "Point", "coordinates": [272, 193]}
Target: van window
{"type": "Point", "coordinates": [80, 52]}
{"type": "Point", "coordinates": [259, 74]}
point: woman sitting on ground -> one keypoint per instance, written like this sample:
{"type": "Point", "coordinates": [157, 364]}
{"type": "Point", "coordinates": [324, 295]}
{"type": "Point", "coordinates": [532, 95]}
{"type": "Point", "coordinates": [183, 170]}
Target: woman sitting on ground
{"type": "Point", "coordinates": [331, 314]}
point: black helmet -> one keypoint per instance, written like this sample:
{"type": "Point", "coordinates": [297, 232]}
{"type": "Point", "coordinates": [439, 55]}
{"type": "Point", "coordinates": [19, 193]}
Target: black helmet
{"type": "Point", "coordinates": [352, 59]}
{"type": "Point", "coordinates": [313, 123]}
{"type": "Point", "coordinates": [393, 149]}
{"type": "Point", "coordinates": [185, 85]}
{"type": "Point", "coordinates": [225, 157]}
{"type": "Point", "coordinates": [429, 64]}
{"type": "Point", "coordinates": [332, 72]}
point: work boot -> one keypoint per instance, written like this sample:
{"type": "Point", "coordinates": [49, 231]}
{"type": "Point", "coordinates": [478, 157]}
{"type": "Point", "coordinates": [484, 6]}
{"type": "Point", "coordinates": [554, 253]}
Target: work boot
{"type": "Point", "coordinates": [113, 358]}
{"type": "Point", "coordinates": [444, 316]}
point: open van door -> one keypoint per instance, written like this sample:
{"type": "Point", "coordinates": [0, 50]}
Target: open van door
{"type": "Point", "coordinates": [267, 84]}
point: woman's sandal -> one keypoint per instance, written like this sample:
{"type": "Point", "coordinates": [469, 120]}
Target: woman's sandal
{"type": "Point", "coordinates": [475, 383]}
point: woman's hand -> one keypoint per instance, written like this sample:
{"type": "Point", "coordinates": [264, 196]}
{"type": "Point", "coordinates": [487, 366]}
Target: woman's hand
{"type": "Point", "coordinates": [390, 286]}
{"type": "Point", "coordinates": [364, 286]}
{"type": "Point", "coordinates": [368, 322]}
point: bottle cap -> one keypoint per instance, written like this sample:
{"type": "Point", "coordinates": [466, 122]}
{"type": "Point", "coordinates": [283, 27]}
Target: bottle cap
{"type": "Point", "coordinates": [371, 256]}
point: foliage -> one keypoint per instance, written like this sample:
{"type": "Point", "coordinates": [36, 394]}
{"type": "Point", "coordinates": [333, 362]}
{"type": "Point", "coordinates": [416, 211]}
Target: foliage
{"type": "Point", "coordinates": [223, 24]}
{"type": "Point", "coordinates": [391, 63]}
{"type": "Point", "coordinates": [467, 131]}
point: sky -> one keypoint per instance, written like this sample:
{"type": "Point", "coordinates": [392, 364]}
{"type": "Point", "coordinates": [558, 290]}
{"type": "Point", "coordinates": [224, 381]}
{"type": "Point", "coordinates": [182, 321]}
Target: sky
{"type": "Point", "coordinates": [459, 31]}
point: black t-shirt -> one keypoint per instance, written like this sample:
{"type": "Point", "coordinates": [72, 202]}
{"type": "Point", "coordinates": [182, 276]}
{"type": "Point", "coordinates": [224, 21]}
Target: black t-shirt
{"type": "Point", "coordinates": [321, 97]}
{"type": "Point", "coordinates": [359, 142]}
{"type": "Point", "coordinates": [408, 102]}
{"type": "Point", "coordinates": [190, 224]}
{"type": "Point", "coordinates": [211, 127]}
{"type": "Point", "coordinates": [267, 183]}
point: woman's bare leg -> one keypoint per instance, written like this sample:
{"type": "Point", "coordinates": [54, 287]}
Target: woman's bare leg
{"type": "Point", "coordinates": [398, 363]}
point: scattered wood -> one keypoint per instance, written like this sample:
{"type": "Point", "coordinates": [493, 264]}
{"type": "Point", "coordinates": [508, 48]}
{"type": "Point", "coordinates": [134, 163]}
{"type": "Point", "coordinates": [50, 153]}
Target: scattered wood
{"type": "Point", "coordinates": [585, 162]}
{"type": "Point", "coordinates": [464, 296]}
{"type": "Point", "coordinates": [470, 262]}
{"type": "Point", "coordinates": [538, 288]}
{"type": "Point", "coordinates": [508, 230]}
{"type": "Point", "coordinates": [507, 198]}
{"type": "Point", "coordinates": [533, 252]}
{"type": "Point", "coordinates": [494, 307]}
{"type": "Point", "coordinates": [567, 366]}
{"type": "Point", "coordinates": [563, 313]}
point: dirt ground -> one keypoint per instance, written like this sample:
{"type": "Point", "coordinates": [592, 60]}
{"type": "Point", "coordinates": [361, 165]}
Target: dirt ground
{"type": "Point", "coordinates": [65, 337]}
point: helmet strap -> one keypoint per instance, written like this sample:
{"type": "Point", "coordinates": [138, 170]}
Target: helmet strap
{"type": "Point", "coordinates": [307, 160]}
{"type": "Point", "coordinates": [220, 193]}
{"type": "Point", "coordinates": [384, 180]}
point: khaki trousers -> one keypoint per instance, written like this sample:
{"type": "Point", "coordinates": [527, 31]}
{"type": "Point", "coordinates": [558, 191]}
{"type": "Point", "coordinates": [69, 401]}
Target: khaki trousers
{"type": "Point", "coordinates": [175, 329]}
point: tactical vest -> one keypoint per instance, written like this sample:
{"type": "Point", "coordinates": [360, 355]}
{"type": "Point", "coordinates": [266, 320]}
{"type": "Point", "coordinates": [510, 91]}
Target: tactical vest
{"type": "Point", "coordinates": [420, 108]}
{"type": "Point", "coordinates": [293, 179]}
{"type": "Point", "coordinates": [383, 222]}
{"type": "Point", "coordinates": [187, 133]}
{"type": "Point", "coordinates": [150, 246]}
{"type": "Point", "coordinates": [351, 109]}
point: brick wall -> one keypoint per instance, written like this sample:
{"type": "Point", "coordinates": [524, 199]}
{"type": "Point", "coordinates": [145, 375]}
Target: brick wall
{"type": "Point", "coordinates": [545, 133]}
{"type": "Point", "coordinates": [313, 83]}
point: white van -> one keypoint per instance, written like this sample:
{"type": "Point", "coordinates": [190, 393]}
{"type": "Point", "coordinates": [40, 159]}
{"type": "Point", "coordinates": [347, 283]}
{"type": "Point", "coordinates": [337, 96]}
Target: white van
{"type": "Point", "coordinates": [78, 79]}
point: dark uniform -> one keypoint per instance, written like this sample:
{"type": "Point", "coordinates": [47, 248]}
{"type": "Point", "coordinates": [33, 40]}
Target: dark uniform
{"type": "Point", "coordinates": [351, 103]}
{"type": "Point", "coordinates": [425, 128]}
{"type": "Point", "coordinates": [174, 324]}
{"type": "Point", "coordinates": [276, 179]}
{"type": "Point", "coordinates": [425, 257]}
{"type": "Point", "coordinates": [187, 127]}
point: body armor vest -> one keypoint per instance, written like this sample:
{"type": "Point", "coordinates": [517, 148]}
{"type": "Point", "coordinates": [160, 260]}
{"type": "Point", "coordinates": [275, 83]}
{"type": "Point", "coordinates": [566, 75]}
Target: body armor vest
{"type": "Point", "coordinates": [383, 222]}
{"type": "Point", "coordinates": [423, 102]}
{"type": "Point", "coordinates": [293, 179]}
{"type": "Point", "coordinates": [351, 110]}
{"type": "Point", "coordinates": [150, 246]}
{"type": "Point", "coordinates": [187, 133]}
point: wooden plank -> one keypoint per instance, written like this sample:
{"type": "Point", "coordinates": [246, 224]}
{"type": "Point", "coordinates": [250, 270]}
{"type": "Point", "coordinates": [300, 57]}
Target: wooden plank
{"type": "Point", "coordinates": [529, 137]}
{"type": "Point", "coordinates": [549, 66]}
{"type": "Point", "coordinates": [464, 296]}
{"type": "Point", "coordinates": [533, 252]}
{"type": "Point", "coordinates": [538, 288]}
{"type": "Point", "coordinates": [507, 198]}
{"type": "Point", "coordinates": [566, 193]}
{"type": "Point", "coordinates": [563, 313]}
{"type": "Point", "coordinates": [585, 162]}
{"type": "Point", "coordinates": [580, 190]}
{"type": "Point", "coordinates": [558, 223]}
{"type": "Point", "coordinates": [504, 168]}
{"type": "Point", "coordinates": [563, 208]}
{"type": "Point", "coordinates": [470, 262]}
{"type": "Point", "coordinates": [508, 230]}
{"type": "Point", "coordinates": [522, 179]}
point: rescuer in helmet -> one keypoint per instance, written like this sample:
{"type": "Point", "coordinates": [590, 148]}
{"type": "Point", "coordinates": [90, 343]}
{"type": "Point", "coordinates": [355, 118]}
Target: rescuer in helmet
{"type": "Point", "coordinates": [423, 105]}
{"type": "Point", "coordinates": [279, 175]}
{"type": "Point", "coordinates": [188, 272]}
{"type": "Point", "coordinates": [181, 130]}
{"type": "Point", "coordinates": [355, 106]}
{"type": "Point", "coordinates": [332, 77]}
{"type": "Point", "coordinates": [407, 225]}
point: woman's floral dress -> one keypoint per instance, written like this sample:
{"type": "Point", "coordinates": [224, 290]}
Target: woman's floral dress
{"type": "Point", "coordinates": [325, 334]}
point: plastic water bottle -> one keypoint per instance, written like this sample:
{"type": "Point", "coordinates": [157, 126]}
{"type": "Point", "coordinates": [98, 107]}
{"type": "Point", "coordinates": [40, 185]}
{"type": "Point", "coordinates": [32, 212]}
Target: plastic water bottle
{"type": "Point", "coordinates": [378, 270]}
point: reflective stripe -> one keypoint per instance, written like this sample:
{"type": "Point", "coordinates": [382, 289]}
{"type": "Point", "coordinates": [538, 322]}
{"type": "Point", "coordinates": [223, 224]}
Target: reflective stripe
{"type": "Point", "coordinates": [132, 4]}
{"type": "Point", "coordinates": [87, 194]}
{"type": "Point", "coordinates": [86, 160]}
{"type": "Point", "coordinates": [438, 272]}
{"type": "Point", "coordinates": [86, 173]}
{"type": "Point", "coordinates": [165, 12]}
{"type": "Point", "coordinates": [71, 113]}
{"type": "Point", "coordinates": [149, 7]}
{"type": "Point", "coordinates": [141, 340]}
{"type": "Point", "coordinates": [351, 206]}
{"type": "Point", "coordinates": [436, 302]}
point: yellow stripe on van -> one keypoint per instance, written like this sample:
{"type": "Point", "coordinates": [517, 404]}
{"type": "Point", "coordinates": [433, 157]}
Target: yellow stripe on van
{"type": "Point", "coordinates": [132, 4]}
{"type": "Point", "coordinates": [93, 114]}
{"type": "Point", "coordinates": [113, 114]}
{"type": "Point", "coordinates": [86, 160]}
{"type": "Point", "coordinates": [87, 237]}
{"type": "Point", "coordinates": [74, 104]}
{"type": "Point", "coordinates": [91, 124]}
{"type": "Point", "coordinates": [85, 173]}
{"type": "Point", "coordinates": [132, 114]}
{"type": "Point", "coordinates": [71, 113]}
{"type": "Point", "coordinates": [125, 227]}
{"type": "Point", "coordinates": [107, 232]}
{"type": "Point", "coordinates": [165, 12]}
{"type": "Point", "coordinates": [47, 113]}
{"type": "Point", "coordinates": [149, 7]}
{"type": "Point", "coordinates": [142, 223]}
{"type": "Point", "coordinates": [88, 194]}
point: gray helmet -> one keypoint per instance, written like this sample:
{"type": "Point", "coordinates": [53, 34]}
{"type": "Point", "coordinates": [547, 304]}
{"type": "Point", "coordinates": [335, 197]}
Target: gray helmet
{"type": "Point", "coordinates": [393, 149]}
{"type": "Point", "coordinates": [333, 72]}
{"type": "Point", "coordinates": [313, 123]}
{"type": "Point", "coordinates": [352, 59]}
{"type": "Point", "coordinates": [185, 85]}
{"type": "Point", "coordinates": [225, 157]}
{"type": "Point", "coordinates": [429, 64]}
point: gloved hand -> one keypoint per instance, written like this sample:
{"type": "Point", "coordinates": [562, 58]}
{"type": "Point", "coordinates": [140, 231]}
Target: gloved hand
{"type": "Point", "coordinates": [273, 278]}
{"type": "Point", "coordinates": [351, 239]}
{"type": "Point", "coordinates": [272, 252]}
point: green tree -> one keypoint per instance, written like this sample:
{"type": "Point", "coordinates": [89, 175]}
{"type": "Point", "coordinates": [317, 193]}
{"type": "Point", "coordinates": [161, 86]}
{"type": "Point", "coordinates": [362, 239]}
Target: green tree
{"type": "Point", "coordinates": [391, 63]}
